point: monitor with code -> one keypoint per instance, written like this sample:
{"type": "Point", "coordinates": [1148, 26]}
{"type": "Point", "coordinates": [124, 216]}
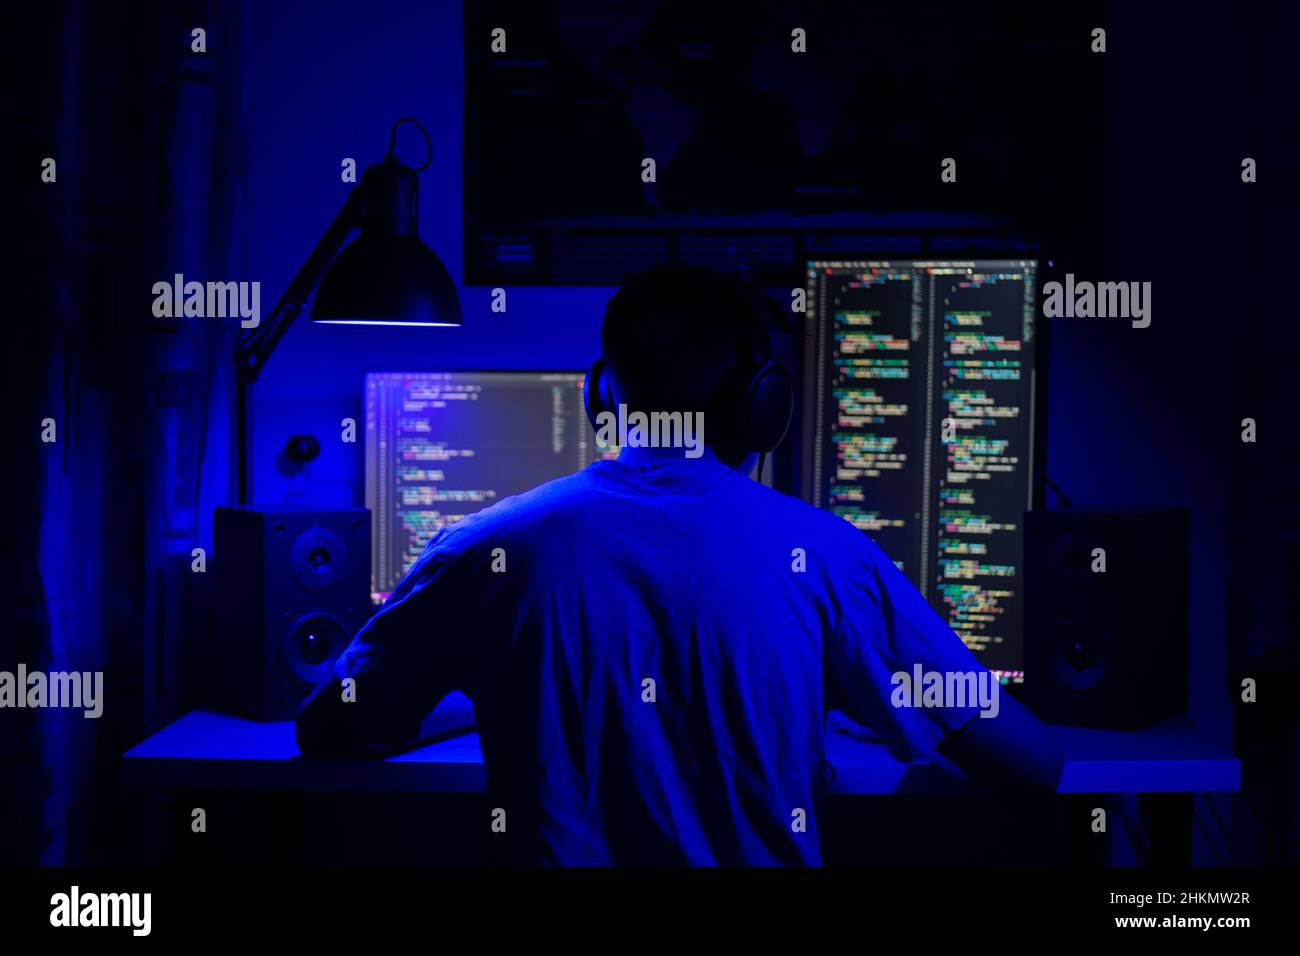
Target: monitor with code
{"type": "Point", "coordinates": [443, 445]}
{"type": "Point", "coordinates": [919, 428]}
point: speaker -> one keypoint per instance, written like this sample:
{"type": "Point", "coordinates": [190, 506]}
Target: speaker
{"type": "Point", "coordinates": [291, 589]}
{"type": "Point", "coordinates": [1106, 616]}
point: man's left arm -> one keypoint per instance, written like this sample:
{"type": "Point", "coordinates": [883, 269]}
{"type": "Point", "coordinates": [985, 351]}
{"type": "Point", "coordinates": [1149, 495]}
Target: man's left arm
{"type": "Point", "coordinates": [890, 638]}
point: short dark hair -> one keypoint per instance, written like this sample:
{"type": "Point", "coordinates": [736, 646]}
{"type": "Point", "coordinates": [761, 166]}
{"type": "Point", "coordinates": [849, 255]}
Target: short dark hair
{"type": "Point", "coordinates": [681, 338]}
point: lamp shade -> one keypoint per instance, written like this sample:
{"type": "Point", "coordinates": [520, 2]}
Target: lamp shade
{"type": "Point", "coordinates": [387, 280]}
{"type": "Point", "coordinates": [387, 275]}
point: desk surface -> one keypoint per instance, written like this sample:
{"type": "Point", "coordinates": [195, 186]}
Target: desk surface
{"type": "Point", "coordinates": [204, 750]}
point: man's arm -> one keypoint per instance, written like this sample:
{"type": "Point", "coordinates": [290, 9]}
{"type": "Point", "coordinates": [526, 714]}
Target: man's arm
{"type": "Point", "coordinates": [406, 659]}
{"type": "Point", "coordinates": [374, 716]}
{"type": "Point", "coordinates": [325, 729]}
{"type": "Point", "coordinates": [886, 629]}
{"type": "Point", "coordinates": [1015, 748]}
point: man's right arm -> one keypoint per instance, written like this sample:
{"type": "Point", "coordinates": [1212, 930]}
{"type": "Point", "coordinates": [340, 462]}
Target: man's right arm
{"type": "Point", "coordinates": [1015, 748]}
{"type": "Point", "coordinates": [400, 665]}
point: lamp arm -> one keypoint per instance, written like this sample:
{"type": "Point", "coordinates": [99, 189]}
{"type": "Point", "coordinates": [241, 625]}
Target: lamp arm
{"type": "Point", "coordinates": [255, 345]}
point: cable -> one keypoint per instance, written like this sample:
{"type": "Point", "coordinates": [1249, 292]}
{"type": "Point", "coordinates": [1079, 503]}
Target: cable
{"type": "Point", "coordinates": [392, 140]}
{"type": "Point", "coordinates": [758, 476]}
{"type": "Point", "coordinates": [1061, 498]}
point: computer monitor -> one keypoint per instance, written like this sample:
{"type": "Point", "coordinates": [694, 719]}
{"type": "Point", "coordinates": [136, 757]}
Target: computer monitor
{"type": "Point", "coordinates": [919, 427]}
{"type": "Point", "coordinates": [443, 445]}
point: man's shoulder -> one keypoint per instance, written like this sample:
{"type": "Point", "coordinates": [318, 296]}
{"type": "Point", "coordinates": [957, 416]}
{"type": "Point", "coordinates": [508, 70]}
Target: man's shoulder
{"type": "Point", "coordinates": [599, 501]}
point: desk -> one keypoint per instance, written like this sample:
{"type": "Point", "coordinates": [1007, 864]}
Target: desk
{"type": "Point", "coordinates": [1150, 775]}
{"type": "Point", "coordinates": [204, 750]}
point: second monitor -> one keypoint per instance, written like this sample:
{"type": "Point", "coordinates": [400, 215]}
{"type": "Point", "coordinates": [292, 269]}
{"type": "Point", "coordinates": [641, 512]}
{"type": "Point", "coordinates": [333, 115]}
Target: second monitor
{"type": "Point", "coordinates": [919, 383]}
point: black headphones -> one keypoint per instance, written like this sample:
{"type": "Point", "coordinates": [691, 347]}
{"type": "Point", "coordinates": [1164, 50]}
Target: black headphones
{"type": "Point", "coordinates": [765, 402]}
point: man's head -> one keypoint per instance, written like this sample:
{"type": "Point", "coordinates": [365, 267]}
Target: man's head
{"type": "Point", "coordinates": [686, 339]}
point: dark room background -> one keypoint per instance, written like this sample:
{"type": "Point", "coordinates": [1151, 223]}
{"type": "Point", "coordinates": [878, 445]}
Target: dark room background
{"type": "Point", "coordinates": [228, 164]}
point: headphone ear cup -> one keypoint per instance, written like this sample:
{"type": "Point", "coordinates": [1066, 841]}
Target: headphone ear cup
{"type": "Point", "coordinates": [768, 407]}
{"type": "Point", "coordinates": [595, 393]}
